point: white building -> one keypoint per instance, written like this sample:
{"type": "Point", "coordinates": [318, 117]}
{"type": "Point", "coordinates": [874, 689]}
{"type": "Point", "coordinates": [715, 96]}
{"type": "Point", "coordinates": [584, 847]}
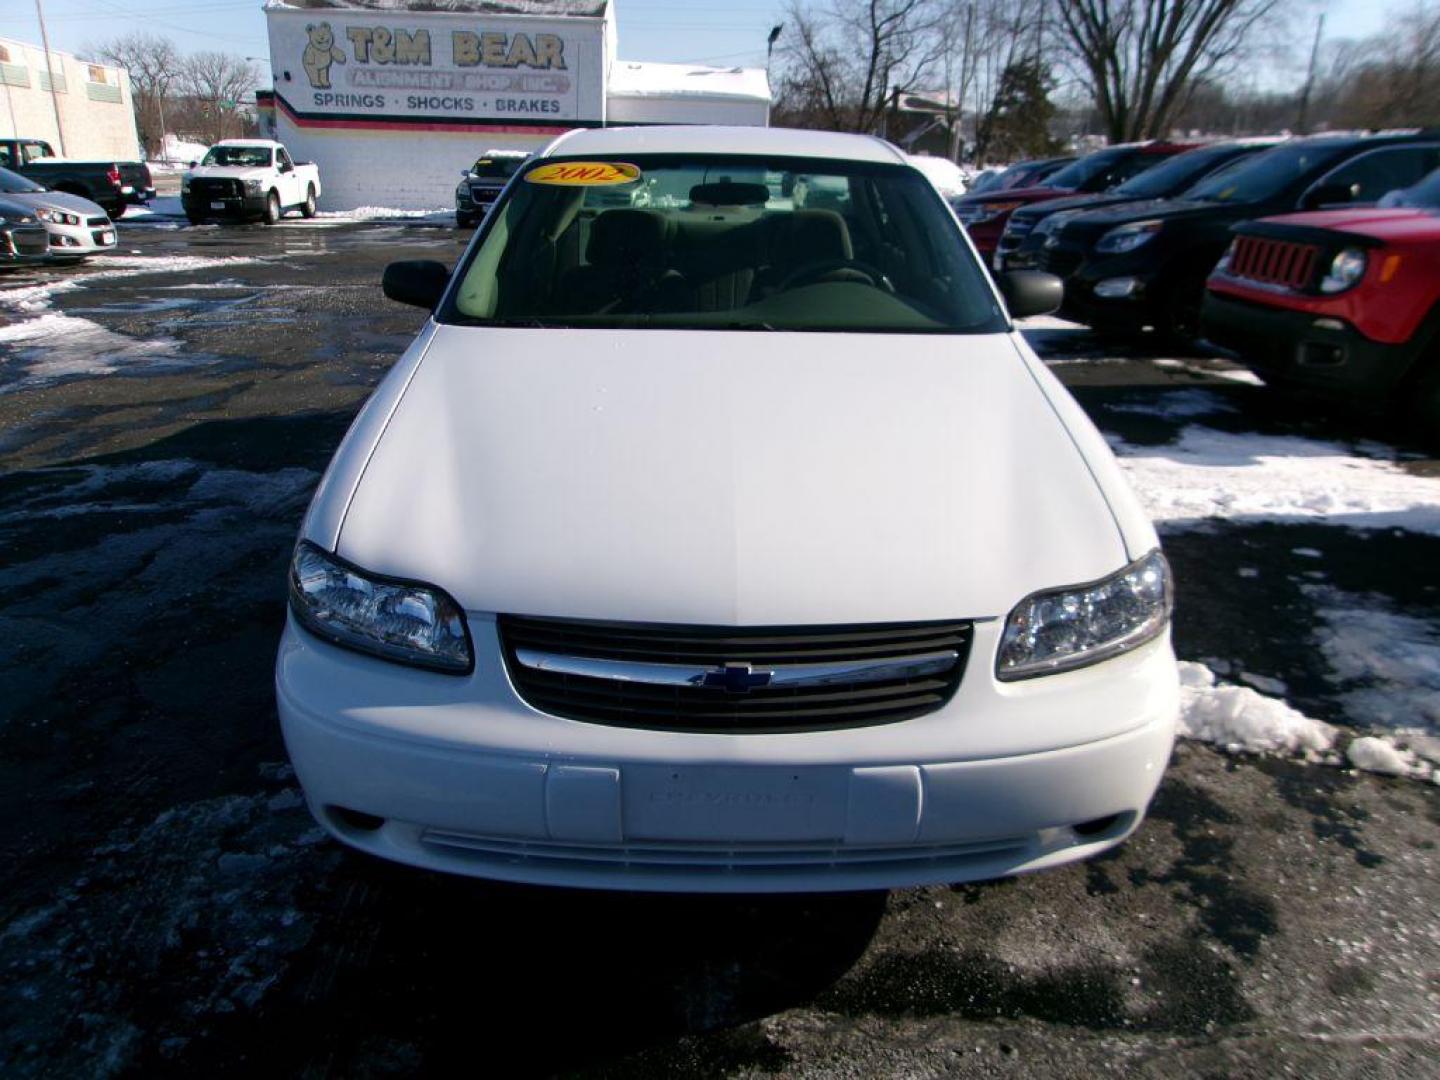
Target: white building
{"type": "Point", "coordinates": [392, 102]}
{"type": "Point", "coordinates": [97, 116]}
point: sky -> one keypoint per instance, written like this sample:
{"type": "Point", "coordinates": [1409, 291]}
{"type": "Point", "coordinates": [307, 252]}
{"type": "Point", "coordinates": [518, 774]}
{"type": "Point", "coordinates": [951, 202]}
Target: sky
{"type": "Point", "coordinates": [722, 32]}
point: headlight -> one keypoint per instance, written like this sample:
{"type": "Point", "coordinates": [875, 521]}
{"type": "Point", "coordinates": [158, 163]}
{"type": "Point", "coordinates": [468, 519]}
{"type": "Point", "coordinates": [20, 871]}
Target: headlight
{"type": "Point", "coordinates": [991, 210]}
{"type": "Point", "coordinates": [1223, 266]}
{"type": "Point", "coordinates": [403, 621]}
{"type": "Point", "coordinates": [252, 186]}
{"type": "Point", "coordinates": [1346, 269]}
{"type": "Point", "coordinates": [184, 183]}
{"type": "Point", "coordinates": [1124, 238]}
{"type": "Point", "coordinates": [57, 217]}
{"type": "Point", "coordinates": [1062, 629]}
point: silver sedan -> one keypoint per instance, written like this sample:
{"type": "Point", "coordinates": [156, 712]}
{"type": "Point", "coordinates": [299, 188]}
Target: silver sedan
{"type": "Point", "coordinates": [76, 226]}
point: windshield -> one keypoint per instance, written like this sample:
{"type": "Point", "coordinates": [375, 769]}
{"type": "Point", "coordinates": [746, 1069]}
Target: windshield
{"type": "Point", "coordinates": [1425, 194]}
{"type": "Point", "coordinates": [243, 157]}
{"type": "Point", "coordinates": [1261, 178]}
{"type": "Point", "coordinates": [499, 168]}
{"type": "Point", "coordinates": [1178, 173]}
{"type": "Point", "coordinates": [15, 184]}
{"type": "Point", "coordinates": [724, 243]}
{"type": "Point", "coordinates": [1079, 173]}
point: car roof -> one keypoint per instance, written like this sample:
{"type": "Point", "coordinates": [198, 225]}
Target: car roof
{"type": "Point", "coordinates": [708, 139]}
{"type": "Point", "coordinates": [247, 142]}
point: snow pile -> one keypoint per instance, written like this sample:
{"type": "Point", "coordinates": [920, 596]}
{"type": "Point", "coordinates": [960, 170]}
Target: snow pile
{"type": "Point", "coordinates": [1379, 755]}
{"type": "Point", "coordinates": [1238, 718]}
{"type": "Point", "coordinates": [1387, 664]}
{"type": "Point", "coordinates": [384, 213]}
{"type": "Point", "coordinates": [1209, 474]}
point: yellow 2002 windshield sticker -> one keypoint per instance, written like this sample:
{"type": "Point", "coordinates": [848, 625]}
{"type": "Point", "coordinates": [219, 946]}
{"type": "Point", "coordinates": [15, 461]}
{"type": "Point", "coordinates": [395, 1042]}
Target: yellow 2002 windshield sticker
{"type": "Point", "coordinates": [584, 173]}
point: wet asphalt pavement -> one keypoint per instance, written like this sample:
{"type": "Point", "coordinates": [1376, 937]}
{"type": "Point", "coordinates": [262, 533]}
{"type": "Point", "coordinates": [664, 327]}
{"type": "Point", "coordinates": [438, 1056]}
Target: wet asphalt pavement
{"type": "Point", "coordinates": [168, 907]}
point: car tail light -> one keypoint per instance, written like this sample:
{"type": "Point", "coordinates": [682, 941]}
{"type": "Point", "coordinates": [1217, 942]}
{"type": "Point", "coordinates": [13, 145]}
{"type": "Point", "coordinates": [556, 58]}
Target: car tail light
{"type": "Point", "coordinates": [113, 175]}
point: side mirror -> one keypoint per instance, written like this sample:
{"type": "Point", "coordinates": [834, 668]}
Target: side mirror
{"type": "Point", "coordinates": [464, 173]}
{"type": "Point", "coordinates": [1328, 195]}
{"type": "Point", "coordinates": [1029, 292]}
{"type": "Point", "coordinates": [416, 281]}
{"type": "Point", "coordinates": [285, 167]}
{"type": "Point", "coordinates": [194, 164]}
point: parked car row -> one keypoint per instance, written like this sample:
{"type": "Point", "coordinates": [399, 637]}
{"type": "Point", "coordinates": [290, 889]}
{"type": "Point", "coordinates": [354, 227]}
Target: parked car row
{"type": "Point", "coordinates": [1327, 295]}
{"type": "Point", "coordinates": [38, 225]}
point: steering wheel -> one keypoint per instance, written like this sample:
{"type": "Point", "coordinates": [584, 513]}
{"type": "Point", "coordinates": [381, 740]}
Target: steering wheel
{"type": "Point", "coordinates": [811, 272]}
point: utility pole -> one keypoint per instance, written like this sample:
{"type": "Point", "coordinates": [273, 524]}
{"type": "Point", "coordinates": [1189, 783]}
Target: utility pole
{"type": "Point", "coordinates": [50, 71]}
{"type": "Point", "coordinates": [1302, 118]}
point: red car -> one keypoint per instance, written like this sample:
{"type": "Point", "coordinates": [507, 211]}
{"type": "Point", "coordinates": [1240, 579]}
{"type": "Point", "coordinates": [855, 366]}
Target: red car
{"type": "Point", "coordinates": [984, 215]}
{"type": "Point", "coordinates": [1345, 302]}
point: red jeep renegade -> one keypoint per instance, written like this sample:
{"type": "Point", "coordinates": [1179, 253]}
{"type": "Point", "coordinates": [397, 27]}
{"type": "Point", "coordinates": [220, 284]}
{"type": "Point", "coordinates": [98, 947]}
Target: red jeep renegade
{"type": "Point", "coordinates": [1345, 302]}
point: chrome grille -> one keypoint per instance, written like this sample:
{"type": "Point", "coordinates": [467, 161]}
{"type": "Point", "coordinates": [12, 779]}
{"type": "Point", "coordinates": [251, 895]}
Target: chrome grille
{"type": "Point", "coordinates": [763, 679]}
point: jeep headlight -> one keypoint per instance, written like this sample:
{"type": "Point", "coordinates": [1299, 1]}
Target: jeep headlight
{"type": "Point", "coordinates": [252, 187]}
{"type": "Point", "coordinates": [1346, 270]}
{"type": "Point", "coordinates": [1125, 238]}
{"type": "Point", "coordinates": [404, 621]}
{"type": "Point", "coordinates": [1067, 628]}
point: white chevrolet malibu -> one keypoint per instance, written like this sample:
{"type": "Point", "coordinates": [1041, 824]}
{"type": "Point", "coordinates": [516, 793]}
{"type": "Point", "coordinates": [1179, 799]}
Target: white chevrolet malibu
{"type": "Point", "coordinates": [719, 532]}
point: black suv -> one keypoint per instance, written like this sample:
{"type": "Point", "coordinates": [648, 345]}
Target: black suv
{"type": "Point", "coordinates": [1025, 234]}
{"type": "Point", "coordinates": [1145, 264]}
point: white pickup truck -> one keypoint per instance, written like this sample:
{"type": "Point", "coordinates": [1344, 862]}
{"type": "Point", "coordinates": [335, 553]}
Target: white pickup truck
{"type": "Point", "coordinates": [246, 179]}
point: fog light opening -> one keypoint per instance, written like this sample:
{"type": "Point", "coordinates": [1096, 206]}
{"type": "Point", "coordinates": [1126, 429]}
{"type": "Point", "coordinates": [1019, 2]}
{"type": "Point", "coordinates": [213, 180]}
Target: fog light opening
{"type": "Point", "coordinates": [353, 820]}
{"type": "Point", "coordinates": [1088, 830]}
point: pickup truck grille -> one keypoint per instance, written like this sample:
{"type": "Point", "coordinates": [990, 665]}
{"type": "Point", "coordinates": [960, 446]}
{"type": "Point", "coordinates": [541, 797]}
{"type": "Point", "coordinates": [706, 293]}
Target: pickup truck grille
{"type": "Point", "coordinates": [212, 187]}
{"type": "Point", "coordinates": [733, 679]}
{"type": "Point", "coordinates": [1062, 262]}
{"type": "Point", "coordinates": [1273, 262]}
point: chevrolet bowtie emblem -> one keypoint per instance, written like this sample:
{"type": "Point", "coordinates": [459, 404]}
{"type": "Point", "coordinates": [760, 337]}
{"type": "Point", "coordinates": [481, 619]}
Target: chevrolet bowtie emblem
{"type": "Point", "coordinates": [735, 678]}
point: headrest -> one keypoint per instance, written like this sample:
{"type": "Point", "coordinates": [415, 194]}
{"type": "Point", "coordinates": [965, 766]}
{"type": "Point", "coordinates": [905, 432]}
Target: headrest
{"type": "Point", "coordinates": [730, 193]}
{"type": "Point", "coordinates": [626, 238]}
{"type": "Point", "coordinates": [814, 236]}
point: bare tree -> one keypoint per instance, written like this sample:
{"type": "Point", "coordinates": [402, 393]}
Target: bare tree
{"type": "Point", "coordinates": [1141, 58]}
{"type": "Point", "coordinates": [218, 82]}
{"type": "Point", "coordinates": [154, 66]}
{"type": "Point", "coordinates": [847, 62]}
{"type": "Point", "coordinates": [1394, 78]}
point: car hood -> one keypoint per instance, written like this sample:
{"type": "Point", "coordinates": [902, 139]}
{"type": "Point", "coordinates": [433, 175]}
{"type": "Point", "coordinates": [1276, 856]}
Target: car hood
{"type": "Point", "coordinates": [1401, 223]}
{"type": "Point", "coordinates": [229, 172]}
{"type": "Point", "coordinates": [59, 200]}
{"type": "Point", "coordinates": [1070, 202]}
{"type": "Point", "coordinates": [17, 212]}
{"type": "Point", "coordinates": [1017, 195]}
{"type": "Point", "coordinates": [728, 478]}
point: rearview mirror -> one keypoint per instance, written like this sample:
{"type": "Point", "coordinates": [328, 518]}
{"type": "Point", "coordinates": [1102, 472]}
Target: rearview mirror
{"type": "Point", "coordinates": [1327, 195]}
{"type": "Point", "coordinates": [420, 282]}
{"type": "Point", "coordinates": [1030, 292]}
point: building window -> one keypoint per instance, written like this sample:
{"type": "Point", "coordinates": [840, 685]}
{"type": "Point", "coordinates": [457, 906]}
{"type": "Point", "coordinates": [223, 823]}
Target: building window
{"type": "Point", "coordinates": [11, 73]}
{"type": "Point", "coordinates": [102, 84]}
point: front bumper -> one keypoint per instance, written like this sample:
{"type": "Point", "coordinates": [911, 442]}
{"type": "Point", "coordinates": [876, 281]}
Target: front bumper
{"type": "Point", "coordinates": [77, 241]}
{"type": "Point", "coordinates": [460, 775]}
{"type": "Point", "coordinates": [1304, 349]}
{"type": "Point", "coordinates": [24, 245]}
{"type": "Point", "coordinates": [248, 206]}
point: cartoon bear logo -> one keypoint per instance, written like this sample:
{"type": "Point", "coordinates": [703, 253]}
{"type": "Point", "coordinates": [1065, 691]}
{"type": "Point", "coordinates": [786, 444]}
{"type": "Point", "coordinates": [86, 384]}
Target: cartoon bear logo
{"type": "Point", "coordinates": [319, 55]}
